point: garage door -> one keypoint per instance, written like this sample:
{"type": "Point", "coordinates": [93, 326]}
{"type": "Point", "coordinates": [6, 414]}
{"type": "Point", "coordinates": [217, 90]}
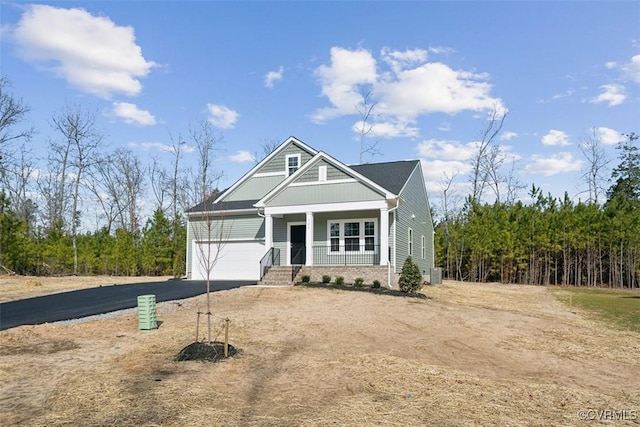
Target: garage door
{"type": "Point", "coordinates": [236, 260]}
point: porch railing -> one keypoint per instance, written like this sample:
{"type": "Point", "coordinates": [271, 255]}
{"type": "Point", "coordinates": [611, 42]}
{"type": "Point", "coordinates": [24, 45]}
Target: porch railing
{"type": "Point", "coordinates": [272, 257]}
{"type": "Point", "coordinates": [346, 255]}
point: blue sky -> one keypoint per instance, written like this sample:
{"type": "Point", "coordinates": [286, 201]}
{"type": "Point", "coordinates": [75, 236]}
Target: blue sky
{"type": "Point", "coordinates": [262, 71]}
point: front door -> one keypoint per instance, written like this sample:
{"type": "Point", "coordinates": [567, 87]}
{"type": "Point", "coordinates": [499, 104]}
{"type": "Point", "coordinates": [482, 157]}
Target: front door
{"type": "Point", "coordinates": [298, 234]}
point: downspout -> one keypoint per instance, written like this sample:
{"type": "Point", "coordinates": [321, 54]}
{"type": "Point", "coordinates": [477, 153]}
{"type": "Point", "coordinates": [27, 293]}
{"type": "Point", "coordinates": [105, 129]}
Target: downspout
{"type": "Point", "coordinates": [394, 243]}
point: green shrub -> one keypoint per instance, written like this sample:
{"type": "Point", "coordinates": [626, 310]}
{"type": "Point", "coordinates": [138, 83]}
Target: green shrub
{"type": "Point", "coordinates": [340, 280]}
{"type": "Point", "coordinates": [326, 279]}
{"type": "Point", "coordinates": [410, 277]}
{"type": "Point", "coordinates": [358, 282]}
{"type": "Point", "coordinates": [306, 278]}
{"type": "Point", "coordinates": [376, 284]}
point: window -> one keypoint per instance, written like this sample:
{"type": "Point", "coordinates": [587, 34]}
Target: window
{"type": "Point", "coordinates": [423, 247]}
{"type": "Point", "coordinates": [410, 238]}
{"type": "Point", "coordinates": [352, 235]}
{"type": "Point", "coordinates": [322, 173]}
{"type": "Point", "coordinates": [292, 163]}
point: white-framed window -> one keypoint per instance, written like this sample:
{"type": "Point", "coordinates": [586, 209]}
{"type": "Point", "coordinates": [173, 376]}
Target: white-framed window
{"type": "Point", "coordinates": [352, 235]}
{"type": "Point", "coordinates": [322, 173]}
{"type": "Point", "coordinates": [423, 247]}
{"type": "Point", "coordinates": [410, 240]}
{"type": "Point", "coordinates": [292, 163]}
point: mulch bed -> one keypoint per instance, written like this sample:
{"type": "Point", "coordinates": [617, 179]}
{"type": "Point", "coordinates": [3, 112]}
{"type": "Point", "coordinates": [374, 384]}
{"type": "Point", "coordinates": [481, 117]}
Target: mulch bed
{"type": "Point", "coordinates": [379, 291]}
{"type": "Point", "coordinates": [205, 352]}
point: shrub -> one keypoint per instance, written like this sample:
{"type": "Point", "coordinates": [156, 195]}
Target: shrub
{"type": "Point", "coordinates": [339, 280]}
{"type": "Point", "coordinates": [410, 277]}
{"type": "Point", "coordinates": [376, 284]}
{"type": "Point", "coordinates": [306, 278]}
{"type": "Point", "coordinates": [326, 279]}
{"type": "Point", "coordinates": [358, 282]}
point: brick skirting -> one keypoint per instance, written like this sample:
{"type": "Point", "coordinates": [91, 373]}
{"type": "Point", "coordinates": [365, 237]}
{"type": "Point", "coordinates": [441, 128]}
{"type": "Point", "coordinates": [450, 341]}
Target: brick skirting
{"type": "Point", "coordinates": [350, 272]}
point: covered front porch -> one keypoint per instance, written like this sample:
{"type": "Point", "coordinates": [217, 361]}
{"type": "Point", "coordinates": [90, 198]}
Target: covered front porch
{"type": "Point", "coordinates": [354, 234]}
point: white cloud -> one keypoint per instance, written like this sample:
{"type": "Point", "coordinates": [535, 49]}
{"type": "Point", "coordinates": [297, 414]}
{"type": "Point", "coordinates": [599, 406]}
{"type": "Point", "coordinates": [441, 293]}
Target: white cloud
{"type": "Point", "coordinates": [272, 77]}
{"type": "Point", "coordinates": [611, 65]}
{"type": "Point", "coordinates": [608, 136]}
{"type": "Point", "coordinates": [185, 148]}
{"type": "Point", "coordinates": [444, 127]}
{"type": "Point", "coordinates": [613, 94]}
{"type": "Point", "coordinates": [132, 115]}
{"type": "Point", "coordinates": [389, 129]}
{"type": "Point", "coordinates": [341, 79]}
{"type": "Point", "coordinates": [222, 116]}
{"type": "Point", "coordinates": [434, 171]}
{"type": "Point", "coordinates": [438, 50]}
{"type": "Point", "coordinates": [242, 156]}
{"type": "Point", "coordinates": [406, 88]}
{"type": "Point", "coordinates": [92, 53]}
{"type": "Point", "coordinates": [556, 137]}
{"type": "Point", "coordinates": [435, 88]}
{"type": "Point", "coordinates": [399, 61]}
{"type": "Point", "coordinates": [508, 135]}
{"type": "Point", "coordinates": [549, 166]}
{"type": "Point", "coordinates": [632, 69]}
{"type": "Point", "coordinates": [448, 150]}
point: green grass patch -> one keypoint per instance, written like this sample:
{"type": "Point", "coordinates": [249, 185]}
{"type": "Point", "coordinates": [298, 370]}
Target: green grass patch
{"type": "Point", "coordinates": [619, 308]}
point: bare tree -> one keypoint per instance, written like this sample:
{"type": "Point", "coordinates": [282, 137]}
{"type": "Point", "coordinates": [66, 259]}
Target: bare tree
{"type": "Point", "coordinates": [364, 127]}
{"type": "Point", "coordinates": [80, 141]}
{"type": "Point", "coordinates": [12, 112]}
{"type": "Point", "coordinates": [487, 159]}
{"type": "Point", "coordinates": [267, 147]}
{"type": "Point", "coordinates": [596, 157]}
{"type": "Point", "coordinates": [208, 227]}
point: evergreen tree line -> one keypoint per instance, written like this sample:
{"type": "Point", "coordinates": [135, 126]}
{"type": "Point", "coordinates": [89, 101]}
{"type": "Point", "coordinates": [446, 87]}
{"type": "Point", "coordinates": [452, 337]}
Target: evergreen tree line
{"type": "Point", "coordinates": [81, 207]}
{"type": "Point", "coordinates": [550, 240]}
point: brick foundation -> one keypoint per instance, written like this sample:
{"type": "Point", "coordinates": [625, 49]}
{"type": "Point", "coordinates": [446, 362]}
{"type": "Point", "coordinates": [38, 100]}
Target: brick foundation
{"type": "Point", "coordinates": [350, 272]}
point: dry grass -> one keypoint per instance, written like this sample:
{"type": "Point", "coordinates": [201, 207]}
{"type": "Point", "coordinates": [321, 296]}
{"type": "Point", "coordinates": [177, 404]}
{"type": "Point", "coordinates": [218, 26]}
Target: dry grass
{"type": "Point", "coordinates": [473, 355]}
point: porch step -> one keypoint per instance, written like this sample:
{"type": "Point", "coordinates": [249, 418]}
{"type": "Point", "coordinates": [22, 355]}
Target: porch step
{"type": "Point", "coordinates": [277, 276]}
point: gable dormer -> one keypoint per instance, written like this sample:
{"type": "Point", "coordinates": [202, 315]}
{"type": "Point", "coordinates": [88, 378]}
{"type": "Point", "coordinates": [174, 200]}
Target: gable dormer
{"type": "Point", "coordinates": [287, 158]}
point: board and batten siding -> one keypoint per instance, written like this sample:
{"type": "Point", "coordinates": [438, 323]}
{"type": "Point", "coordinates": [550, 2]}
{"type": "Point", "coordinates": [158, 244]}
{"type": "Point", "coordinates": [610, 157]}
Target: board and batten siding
{"type": "Point", "coordinates": [254, 188]}
{"type": "Point", "coordinates": [277, 163]}
{"type": "Point", "coordinates": [415, 203]}
{"type": "Point", "coordinates": [324, 193]}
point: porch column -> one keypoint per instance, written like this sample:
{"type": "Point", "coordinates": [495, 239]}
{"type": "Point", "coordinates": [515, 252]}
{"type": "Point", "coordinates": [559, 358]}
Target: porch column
{"type": "Point", "coordinates": [268, 232]}
{"type": "Point", "coordinates": [309, 239]}
{"type": "Point", "coordinates": [384, 236]}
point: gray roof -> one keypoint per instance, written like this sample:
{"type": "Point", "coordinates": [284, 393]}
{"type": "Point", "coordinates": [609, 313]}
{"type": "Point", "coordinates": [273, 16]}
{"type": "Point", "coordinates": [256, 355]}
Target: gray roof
{"type": "Point", "coordinates": [208, 206]}
{"type": "Point", "coordinates": [390, 175]}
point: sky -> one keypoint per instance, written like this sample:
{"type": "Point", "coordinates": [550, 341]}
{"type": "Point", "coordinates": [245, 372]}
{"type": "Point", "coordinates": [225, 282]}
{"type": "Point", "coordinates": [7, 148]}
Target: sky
{"type": "Point", "coordinates": [262, 71]}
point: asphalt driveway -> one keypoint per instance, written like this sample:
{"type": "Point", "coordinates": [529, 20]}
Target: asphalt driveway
{"type": "Point", "coordinates": [100, 300]}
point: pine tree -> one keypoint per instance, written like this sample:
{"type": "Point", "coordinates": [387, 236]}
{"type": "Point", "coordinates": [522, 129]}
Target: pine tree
{"type": "Point", "coordinates": [410, 277]}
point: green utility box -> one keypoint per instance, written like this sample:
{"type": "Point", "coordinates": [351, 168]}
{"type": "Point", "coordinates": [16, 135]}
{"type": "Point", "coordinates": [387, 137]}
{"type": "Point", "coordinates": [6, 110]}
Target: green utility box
{"type": "Point", "coordinates": [147, 312]}
{"type": "Point", "coordinates": [436, 276]}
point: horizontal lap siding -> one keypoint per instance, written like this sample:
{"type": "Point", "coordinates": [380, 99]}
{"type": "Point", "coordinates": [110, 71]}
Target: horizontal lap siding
{"type": "Point", "coordinates": [277, 164]}
{"type": "Point", "coordinates": [415, 203]}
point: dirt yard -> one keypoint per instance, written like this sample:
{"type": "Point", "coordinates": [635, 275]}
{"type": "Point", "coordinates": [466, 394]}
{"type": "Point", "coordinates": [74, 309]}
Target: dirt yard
{"type": "Point", "coordinates": [468, 355]}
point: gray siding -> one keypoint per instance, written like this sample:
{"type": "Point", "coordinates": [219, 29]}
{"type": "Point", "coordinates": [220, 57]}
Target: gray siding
{"type": "Point", "coordinates": [232, 227]}
{"type": "Point", "coordinates": [415, 203]}
{"type": "Point", "coordinates": [254, 188]}
{"type": "Point", "coordinates": [277, 164]}
{"type": "Point", "coordinates": [325, 193]}
{"type": "Point", "coordinates": [312, 175]}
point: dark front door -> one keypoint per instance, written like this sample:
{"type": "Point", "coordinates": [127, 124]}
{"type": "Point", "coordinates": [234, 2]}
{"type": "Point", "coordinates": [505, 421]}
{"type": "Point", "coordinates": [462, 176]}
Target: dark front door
{"type": "Point", "coordinates": [298, 234]}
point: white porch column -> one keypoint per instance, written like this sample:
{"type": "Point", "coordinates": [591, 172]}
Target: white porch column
{"type": "Point", "coordinates": [384, 236]}
{"type": "Point", "coordinates": [268, 232]}
{"type": "Point", "coordinates": [309, 239]}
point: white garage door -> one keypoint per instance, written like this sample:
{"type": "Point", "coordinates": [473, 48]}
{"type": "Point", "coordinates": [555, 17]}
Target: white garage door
{"type": "Point", "coordinates": [236, 261]}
